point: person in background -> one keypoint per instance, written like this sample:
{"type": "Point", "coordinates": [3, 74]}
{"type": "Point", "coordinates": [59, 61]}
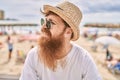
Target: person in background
{"type": "Point", "coordinates": [56, 57]}
{"type": "Point", "coordinates": [10, 47]}
{"type": "Point", "coordinates": [1, 45]}
{"type": "Point", "coordinates": [32, 46]}
{"type": "Point", "coordinates": [109, 56]}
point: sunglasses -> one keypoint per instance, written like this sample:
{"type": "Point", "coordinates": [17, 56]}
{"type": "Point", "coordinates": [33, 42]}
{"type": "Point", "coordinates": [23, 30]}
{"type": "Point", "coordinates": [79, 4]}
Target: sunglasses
{"type": "Point", "coordinates": [48, 23]}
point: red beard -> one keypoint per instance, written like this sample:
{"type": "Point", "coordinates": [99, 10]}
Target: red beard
{"type": "Point", "coordinates": [50, 48]}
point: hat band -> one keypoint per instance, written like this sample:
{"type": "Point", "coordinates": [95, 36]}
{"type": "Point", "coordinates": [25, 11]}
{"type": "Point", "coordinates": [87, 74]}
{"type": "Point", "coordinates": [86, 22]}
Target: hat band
{"type": "Point", "coordinates": [59, 8]}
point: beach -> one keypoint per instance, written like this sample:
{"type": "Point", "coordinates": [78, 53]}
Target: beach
{"type": "Point", "coordinates": [13, 67]}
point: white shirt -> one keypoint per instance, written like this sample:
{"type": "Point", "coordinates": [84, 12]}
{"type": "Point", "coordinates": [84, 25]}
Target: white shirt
{"type": "Point", "coordinates": [79, 66]}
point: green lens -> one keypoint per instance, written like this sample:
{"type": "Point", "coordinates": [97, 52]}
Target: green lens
{"type": "Point", "coordinates": [48, 24]}
{"type": "Point", "coordinates": [42, 21]}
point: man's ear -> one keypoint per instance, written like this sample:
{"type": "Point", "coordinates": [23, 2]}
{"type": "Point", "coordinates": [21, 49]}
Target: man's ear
{"type": "Point", "coordinates": [68, 32]}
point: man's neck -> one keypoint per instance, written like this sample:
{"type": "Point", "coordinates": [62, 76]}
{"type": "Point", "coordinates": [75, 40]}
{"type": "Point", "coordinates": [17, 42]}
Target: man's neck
{"type": "Point", "coordinates": [67, 47]}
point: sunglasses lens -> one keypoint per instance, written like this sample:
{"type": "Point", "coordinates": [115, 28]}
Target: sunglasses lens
{"type": "Point", "coordinates": [48, 24]}
{"type": "Point", "coordinates": [42, 21]}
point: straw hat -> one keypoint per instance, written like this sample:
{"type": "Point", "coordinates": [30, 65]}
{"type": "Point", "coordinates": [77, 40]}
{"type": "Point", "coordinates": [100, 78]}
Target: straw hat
{"type": "Point", "coordinates": [69, 13]}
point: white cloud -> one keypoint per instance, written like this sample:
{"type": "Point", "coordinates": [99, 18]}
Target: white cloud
{"type": "Point", "coordinates": [101, 18]}
{"type": "Point", "coordinates": [93, 10]}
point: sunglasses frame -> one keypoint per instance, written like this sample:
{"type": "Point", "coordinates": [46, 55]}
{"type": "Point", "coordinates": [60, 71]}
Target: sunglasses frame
{"type": "Point", "coordinates": [48, 23]}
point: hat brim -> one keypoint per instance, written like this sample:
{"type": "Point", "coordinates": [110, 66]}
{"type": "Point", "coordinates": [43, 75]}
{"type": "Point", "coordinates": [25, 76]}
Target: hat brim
{"type": "Point", "coordinates": [62, 13]}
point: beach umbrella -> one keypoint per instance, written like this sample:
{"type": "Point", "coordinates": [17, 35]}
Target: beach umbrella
{"type": "Point", "coordinates": [31, 37]}
{"type": "Point", "coordinates": [107, 40]}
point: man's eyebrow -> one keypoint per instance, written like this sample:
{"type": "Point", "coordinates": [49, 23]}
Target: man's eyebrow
{"type": "Point", "coordinates": [52, 20]}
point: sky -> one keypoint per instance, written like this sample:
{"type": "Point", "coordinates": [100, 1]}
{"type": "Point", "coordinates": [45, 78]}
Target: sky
{"type": "Point", "coordinates": [94, 11]}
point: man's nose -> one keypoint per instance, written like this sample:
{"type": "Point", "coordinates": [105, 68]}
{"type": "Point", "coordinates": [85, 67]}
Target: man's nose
{"type": "Point", "coordinates": [44, 26]}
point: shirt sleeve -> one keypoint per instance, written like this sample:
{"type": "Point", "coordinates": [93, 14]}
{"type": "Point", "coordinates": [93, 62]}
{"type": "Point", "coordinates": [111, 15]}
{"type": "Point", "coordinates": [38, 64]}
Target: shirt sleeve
{"type": "Point", "coordinates": [29, 72]}
{"type": "Point", "coordinates": [90, 69]}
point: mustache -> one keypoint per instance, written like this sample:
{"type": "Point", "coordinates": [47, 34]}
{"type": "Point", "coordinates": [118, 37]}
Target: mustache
{"type": "Point", "coordinates": [47, 31]}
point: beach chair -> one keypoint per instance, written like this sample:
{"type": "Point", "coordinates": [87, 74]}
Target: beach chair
{"type": "Point", "coordinates": [20, 58]}
{"type": "Point", "coordinates": [117, 68]}
{"type": "Point", "coordinates": [114, 69]}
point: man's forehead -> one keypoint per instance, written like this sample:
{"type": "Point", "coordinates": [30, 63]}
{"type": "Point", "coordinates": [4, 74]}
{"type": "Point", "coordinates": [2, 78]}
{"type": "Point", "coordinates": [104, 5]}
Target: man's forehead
{"type": "Point", "coordinates": [53, 17]}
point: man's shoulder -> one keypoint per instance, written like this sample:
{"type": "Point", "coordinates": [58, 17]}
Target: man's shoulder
{"type": "Point", "coordinates": [80, 51]}
{"type": "Point", "coordinates": [33, 51]}
{"type": "Point", "coordinates": [82, 54]}
{"type": "Point", "coordinates": [79, 48]}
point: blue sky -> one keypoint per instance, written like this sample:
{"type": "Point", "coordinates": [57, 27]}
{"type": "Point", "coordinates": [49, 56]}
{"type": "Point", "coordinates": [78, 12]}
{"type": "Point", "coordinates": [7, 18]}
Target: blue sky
{"type": "Point", "coordinates": [103, 11]}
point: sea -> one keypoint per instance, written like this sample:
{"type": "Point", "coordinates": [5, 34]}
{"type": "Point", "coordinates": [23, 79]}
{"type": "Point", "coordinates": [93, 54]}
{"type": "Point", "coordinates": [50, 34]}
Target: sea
{"type": "Point", "coordinates": [35, 29]}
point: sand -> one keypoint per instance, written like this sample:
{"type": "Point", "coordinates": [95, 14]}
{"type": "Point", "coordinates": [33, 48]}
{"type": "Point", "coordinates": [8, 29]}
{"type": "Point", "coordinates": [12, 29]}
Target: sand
{"type": "Point", "coordinates": [14, 68]}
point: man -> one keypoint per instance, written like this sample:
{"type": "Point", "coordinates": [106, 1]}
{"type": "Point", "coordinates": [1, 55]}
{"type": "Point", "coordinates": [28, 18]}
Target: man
{"type": "Point", "coordinates": [56, 58]}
